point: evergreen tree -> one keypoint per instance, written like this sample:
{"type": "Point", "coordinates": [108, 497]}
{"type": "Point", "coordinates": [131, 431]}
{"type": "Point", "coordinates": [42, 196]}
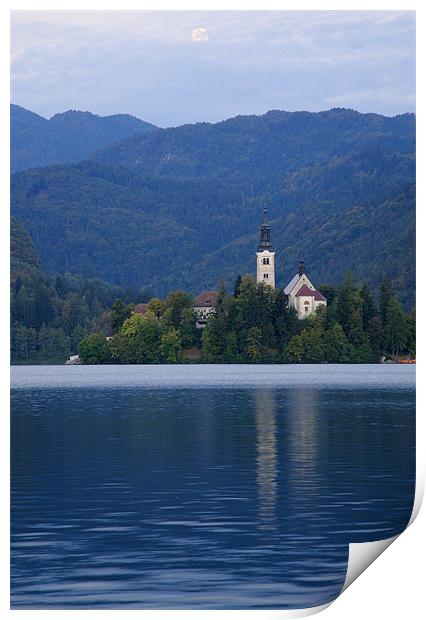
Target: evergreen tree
{"type": "Point", "coordinates": [237, 285]}
{"type": "Point", "coordinates": [369, 309]}
{"type": "Point", "coordinates": [214, 339]}
{"type": "Point", "coordinates": [336, 346]}
{"type": "Point", "coordinates": [411, 333]}
{"type": "Point", "coordinates": [119, 313]}
{"type": "Point", "coordinates": [395, 331]}
{"type": "Point", "coordinates": [385, 295]}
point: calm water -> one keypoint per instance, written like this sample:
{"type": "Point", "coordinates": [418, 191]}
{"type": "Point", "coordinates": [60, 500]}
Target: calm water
{"type": "Point", "coordinates": [203, 486]}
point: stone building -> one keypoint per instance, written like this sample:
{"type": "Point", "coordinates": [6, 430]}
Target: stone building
{"type": "Point", "coordinates": [204, 306]}
{"type": "Point", "coordinates": [265, 255]}
{"type": "Point", "coordinates": [302, 294]}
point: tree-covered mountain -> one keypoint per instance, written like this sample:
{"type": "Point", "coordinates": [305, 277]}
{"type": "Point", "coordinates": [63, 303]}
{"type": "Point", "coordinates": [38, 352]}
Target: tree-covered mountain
{"type": "Point", "coordinates": [255, 150]}
{"type": "Point", "coordinates": [68, 137]}
{"type": "Point", "coordinates": [24, 259]}
{"type": "Point", "coordinates": [181, 207]}
{"type": "Point", "coordinates": [50, 314]}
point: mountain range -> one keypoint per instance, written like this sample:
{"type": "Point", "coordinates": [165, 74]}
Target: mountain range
{"type": "Point", "coordinates": [181, 207]}
{"type": "Point", "coordinates": [67, 137]}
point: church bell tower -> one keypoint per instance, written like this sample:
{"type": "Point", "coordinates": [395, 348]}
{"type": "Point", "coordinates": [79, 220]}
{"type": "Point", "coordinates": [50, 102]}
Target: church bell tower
{"type": "Point", "coordinates": [265, 255]}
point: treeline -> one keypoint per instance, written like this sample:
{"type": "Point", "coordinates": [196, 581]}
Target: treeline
{"type": "Point", "coordinates": [160, 335]}
{"type": "Point", "coordinates": [49, 317]}
{"type": "Point", "coordinates": [256, 325]}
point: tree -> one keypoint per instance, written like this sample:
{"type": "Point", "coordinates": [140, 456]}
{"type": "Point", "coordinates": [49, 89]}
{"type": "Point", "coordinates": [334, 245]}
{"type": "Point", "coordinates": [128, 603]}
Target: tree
{"type": "Point", "coordinates": [176, 301]}
{"type": "Point", "coordinates": [395, 331]}
{"type": "Point", "coordinates": [336, 345]}
{"type": "Point", "coordinates": [313, 345]}
{"type": "Point", "coordinates": [254, 348]}
{"type": "Point", "coordinates": [94, 349]}
{"type": "Point", "coordinates": [156, 306]}
{"type": "Point", "coordinates": [171, 346]}
{"type": "Point", "coordinates": [411, 333]}
{"type": "Point", "coordinates": [119, 313]}
{"type": "Point", "coordinates": [213, 340]}
{"type": "Point", "coordinates": [294, 350]}
{"type": "Point", "coordinates": [385, 295]}
{"type": "Point", "coordinates": [369, 309]}
{"type": "Point", "coordinates": [330, 293]}
{"type": "Point", "coordinates": [53, 344]}
{"type": "Point", "coordinates": [237, 285]}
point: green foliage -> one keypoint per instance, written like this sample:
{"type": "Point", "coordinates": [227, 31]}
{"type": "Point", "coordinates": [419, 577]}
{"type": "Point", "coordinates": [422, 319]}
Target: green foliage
{"type": "Point", "coordinates": [171, 346]}
{"type": "Point", "coordinates": [119, 313]}
{"type": "Point", "coordinates": [94, 349]}
{"type": "Point", "coordinates": [255, 351]}
{"type": "Point", "coordinates": [50, 316]}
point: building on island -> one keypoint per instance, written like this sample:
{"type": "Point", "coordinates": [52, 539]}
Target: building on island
{"type": "Point", "coordinates": [302, 295]}
{"type": "Point", "coordinates": [204, 306]}
{"type": "Point", "coordinates": [300, 291]}
{"type": "Point", "coordinates": [265, 255]}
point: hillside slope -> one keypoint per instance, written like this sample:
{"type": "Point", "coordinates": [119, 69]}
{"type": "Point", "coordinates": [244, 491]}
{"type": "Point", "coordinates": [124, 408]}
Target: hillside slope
{"type": "Point", "coordinates": [68, 137]}
{"type": "Point", "coordinates": [254, 150]}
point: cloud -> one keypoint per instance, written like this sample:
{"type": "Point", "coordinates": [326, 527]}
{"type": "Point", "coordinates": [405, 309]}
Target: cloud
{"type": "Point", "coordinates": [140, 62]}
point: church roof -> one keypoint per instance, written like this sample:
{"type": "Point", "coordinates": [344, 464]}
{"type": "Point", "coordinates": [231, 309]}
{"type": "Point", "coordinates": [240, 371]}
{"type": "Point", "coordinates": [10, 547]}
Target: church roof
{"type": "Point", "coordinates": [290, 286]}
{"type": "Point", "coordinates": [141, 308]}
{"type": "Point", "coordinates": [305, 291]}
{"type": "Point", "coordinates": [319, 296]}
{"type": "Point", "coordinates": [207, 299]}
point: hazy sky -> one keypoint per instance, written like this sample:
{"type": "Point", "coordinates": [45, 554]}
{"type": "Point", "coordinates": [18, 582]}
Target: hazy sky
{"type": "Point", "coordinates": [174, 67]}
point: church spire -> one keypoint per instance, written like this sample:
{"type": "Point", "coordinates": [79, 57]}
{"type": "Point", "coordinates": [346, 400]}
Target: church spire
{"type": "Point", "coordinates": [265, 233]}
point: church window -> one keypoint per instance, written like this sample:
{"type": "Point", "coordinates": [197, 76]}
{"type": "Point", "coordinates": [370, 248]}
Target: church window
{"type": "Point", "coordinates": [266, 275]}
{"type": "Point", "coordinates": [306, 308]}
{"type": "Point", "coordinates": [266, 261]}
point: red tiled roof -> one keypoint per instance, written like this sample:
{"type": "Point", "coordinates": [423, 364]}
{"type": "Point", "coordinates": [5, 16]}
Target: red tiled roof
{"type": "Point", "coordinates": [319, 296]}
{"type": "Point", "coordinates": [305, 291]}
{"type": "Point", "coordinates": [206, 299]}
{"type": "Point", "coordinates": [141, 308]}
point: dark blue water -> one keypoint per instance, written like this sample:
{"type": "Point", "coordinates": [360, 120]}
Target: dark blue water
{"type": "Point", "coordinates": [203, 486]}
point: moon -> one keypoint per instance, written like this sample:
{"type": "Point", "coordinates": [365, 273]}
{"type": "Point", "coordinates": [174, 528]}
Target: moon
{"type": "Point", "coordinates": [200, 35]}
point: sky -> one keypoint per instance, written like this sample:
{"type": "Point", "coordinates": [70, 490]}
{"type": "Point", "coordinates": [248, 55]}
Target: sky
{"type": "Point", "coordinates": [176, 67]}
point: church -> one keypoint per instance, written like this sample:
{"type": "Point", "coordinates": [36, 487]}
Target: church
{"type": "Point", "coordinates": [302, 294]}
{"type": "Point", "coordinates": [300, 291]}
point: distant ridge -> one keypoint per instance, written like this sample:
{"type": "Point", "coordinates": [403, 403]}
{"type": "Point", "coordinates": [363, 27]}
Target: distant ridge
{"type": "Point", "coordinates": [181, 207]}
{"type": "Point", "coordinates": [65, 138]}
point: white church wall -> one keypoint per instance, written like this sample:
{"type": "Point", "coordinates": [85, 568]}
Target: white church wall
{"type": "Point", "coordinates": [265, 265]}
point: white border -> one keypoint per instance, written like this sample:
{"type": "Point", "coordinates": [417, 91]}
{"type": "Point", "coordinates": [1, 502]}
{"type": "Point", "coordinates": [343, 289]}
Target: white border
{"type": "Point", "coordinates": [393, 588]}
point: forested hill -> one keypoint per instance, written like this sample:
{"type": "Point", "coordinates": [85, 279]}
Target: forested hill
{"type": "Point", "coordinates": [50, 315]}
{"type": "Point", "coordinates": [256, 150]}
{"type": "Point", "coordinates": [24, 260]}
{"type": "Point", "coordinates": [68, 137]}
{"type": "Point", "coordinates": [181, 207]}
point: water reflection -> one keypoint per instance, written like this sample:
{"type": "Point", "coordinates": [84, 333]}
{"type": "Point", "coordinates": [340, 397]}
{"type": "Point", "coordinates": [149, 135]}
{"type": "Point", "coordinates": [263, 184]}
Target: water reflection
{"type": "Point", "coordinates": [267, 459]}
{"type": "Point", "coordinates": [303, 439]}
{"type": "Point", "coordinates": [202, 498]}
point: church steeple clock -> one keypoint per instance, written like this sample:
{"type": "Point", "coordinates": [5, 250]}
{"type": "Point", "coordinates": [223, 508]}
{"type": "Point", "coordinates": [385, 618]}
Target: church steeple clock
{"type": "Point", "coordinates": [265, 255]}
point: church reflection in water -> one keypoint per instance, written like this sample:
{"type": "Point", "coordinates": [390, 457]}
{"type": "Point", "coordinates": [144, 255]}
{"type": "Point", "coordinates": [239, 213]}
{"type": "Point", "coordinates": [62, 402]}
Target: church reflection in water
{"type": "Point", "coordinates": [267, 458]}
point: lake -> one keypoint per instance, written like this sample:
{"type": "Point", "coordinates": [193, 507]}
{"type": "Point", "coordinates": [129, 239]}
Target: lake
{"type": "Point", "coordinates": [204, 486]}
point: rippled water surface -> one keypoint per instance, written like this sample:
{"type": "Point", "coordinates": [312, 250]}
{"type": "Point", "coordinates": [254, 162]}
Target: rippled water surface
{"type": "Point", "coordinates": [203, 486]}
